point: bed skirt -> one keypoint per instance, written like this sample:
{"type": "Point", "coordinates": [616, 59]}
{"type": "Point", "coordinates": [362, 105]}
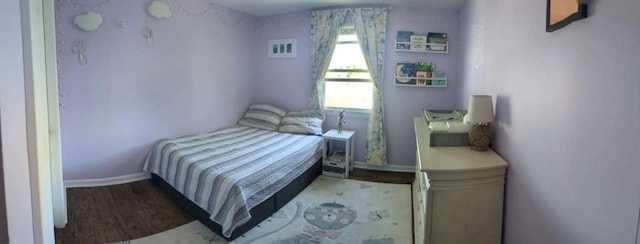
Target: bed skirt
{"type": "Point", "coordinates": [258, 213]}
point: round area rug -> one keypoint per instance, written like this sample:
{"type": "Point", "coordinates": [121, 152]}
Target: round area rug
{"type": "Point", "coordinates": [329, 210]}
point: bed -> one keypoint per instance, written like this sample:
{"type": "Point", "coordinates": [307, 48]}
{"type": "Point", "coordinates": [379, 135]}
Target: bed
{"type": "Point", "coordinates": [233, 178]}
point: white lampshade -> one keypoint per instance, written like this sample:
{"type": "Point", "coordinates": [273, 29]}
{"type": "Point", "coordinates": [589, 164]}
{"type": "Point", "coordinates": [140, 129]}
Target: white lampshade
{"type": "Point", "coordinates": [480, 109]}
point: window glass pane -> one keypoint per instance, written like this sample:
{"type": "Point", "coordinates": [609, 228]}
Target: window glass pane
{"type": "Point", "coordinates": [347, 38]}
{"type": "Point", "coordinates": [348, 94]}
{"type": "Point", "coordinates": [348, 62]}
{"type": "Point", "coordinates": [347, 56]}
{"type": "Point", "coordinates": [347, 75]}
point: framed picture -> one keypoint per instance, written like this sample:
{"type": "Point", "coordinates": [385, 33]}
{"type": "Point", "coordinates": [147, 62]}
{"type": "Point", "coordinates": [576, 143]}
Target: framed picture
{"type": "Point", "coordinates": [285, 48]}
{"type": "Point", "coordinates": [560, 13]}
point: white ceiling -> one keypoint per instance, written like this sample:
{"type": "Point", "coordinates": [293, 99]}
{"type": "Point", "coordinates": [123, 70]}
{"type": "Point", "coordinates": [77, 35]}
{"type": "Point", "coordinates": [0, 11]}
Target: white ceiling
{"type": "Point", "coordinates": [273, 7]}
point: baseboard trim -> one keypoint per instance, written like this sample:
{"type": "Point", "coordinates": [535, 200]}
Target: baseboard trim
{"type": "Point", "coordinates": [107, 181]}
{"type": "Point", "coordinates": [388, 167]}
{"type": "Point", "coordinates": [143, 176]}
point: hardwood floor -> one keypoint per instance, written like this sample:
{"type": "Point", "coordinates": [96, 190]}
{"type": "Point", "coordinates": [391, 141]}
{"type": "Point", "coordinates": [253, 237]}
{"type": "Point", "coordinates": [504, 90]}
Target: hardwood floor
{"type": "Point", "coordinates": [119, 212]}
{"type": "Point", "coordinates": [382, 176]}
{"type": "Point", "coordinates": [133, 210]}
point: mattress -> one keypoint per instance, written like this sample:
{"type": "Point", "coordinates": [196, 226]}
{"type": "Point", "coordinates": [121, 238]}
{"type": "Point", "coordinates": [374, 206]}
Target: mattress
{"type": "Point", "coordinates": [229, 171]}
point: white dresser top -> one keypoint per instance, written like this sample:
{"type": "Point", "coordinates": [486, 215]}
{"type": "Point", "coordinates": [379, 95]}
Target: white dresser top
{"type": "Point", "coordinates": [445, 159]}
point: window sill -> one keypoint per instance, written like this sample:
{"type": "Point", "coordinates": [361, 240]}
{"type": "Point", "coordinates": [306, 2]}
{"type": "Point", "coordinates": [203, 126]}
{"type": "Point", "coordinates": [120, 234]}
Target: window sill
{"type": "Point", "coordinates": [351, 112]}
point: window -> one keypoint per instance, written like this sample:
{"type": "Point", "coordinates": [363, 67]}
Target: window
{"type": "Point", "coordinates": [347, 82]}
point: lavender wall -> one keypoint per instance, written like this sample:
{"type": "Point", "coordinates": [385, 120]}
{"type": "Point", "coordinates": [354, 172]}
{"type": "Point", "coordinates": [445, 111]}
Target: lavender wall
{"type": "Point", "coordinates": [197, 77]}
{"type": "Point", "coordinates": [286, 82]}
{"type": "Point", "coordinates": [14, 125]}
{"type": "Point", "coordinates": [567, 116]}
{"type": "Point", "coordinates": [404, 103]}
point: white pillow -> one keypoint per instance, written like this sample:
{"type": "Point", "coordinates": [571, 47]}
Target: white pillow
{"type": "Point", "coordinates": [307, 122]}
{"type": "Point", "coordinates": [263, 116]}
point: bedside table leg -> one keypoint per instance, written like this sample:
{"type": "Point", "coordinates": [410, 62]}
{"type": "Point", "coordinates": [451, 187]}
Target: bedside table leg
{"type": "Point", "coordinates": [347, 159]}
{"type": "Point", "coordinates": [324, 150]}
{"type": "Point", "coordinates": [352, 157]}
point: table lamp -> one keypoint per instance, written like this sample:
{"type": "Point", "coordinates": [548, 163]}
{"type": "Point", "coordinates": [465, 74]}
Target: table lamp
{"type": "Point", "coordinates": [479, 117]}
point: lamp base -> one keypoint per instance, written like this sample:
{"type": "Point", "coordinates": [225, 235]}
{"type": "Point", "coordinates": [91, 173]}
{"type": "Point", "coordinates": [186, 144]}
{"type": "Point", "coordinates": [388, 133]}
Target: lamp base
{"type": "Point", "coordinates": [480, 137]}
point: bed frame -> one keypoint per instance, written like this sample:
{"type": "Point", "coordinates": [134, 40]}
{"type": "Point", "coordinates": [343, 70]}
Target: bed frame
{"type": "Point", "coordinates": [258, 213]}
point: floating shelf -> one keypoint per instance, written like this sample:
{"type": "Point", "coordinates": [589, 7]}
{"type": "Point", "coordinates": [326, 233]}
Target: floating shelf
{"type": "Point", "coordinates": [431, 86]}
{"type": "Point", "coordinates": [421, 78]}
{"type": "Point", "coordinates": [435, 82]}
{"type": "Point", "coordinates": [429, 47]}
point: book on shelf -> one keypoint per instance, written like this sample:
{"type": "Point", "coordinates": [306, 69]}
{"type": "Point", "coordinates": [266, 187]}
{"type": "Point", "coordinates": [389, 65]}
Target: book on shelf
{"type": "Point", "coordinates": [439, 79]}
{"type": "Point", "coordinates": [418, 39]}
{"type": "Point", "coordinates": [405, 73]}
{"type": "Point", "coordinates": [403, 36]}
{"type": "Point", "coordinates": [437, 38]}
{"type": "Point", "coordinates": [418, 47]}
{"type": "Point", "coordinates": [335, 165]}
{"type": "Point", "coordinates": [424, 65]}
{"type": "Point", "coordinates": [337, 157]}
{"type": "Point", "coordinates": [421, 77]}
{"type": "Point", "coordinates": [439, 83]}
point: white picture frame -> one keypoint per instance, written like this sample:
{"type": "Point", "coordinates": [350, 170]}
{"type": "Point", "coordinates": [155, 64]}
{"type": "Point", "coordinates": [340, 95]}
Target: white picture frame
{"type": "Point", "coordinates": [285, 48]}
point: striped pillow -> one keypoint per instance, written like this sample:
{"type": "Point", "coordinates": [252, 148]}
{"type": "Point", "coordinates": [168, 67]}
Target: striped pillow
{"type": "Point", "coordinates": [307, 122]}
{"type": "Point", "coordinates": [263, 116]}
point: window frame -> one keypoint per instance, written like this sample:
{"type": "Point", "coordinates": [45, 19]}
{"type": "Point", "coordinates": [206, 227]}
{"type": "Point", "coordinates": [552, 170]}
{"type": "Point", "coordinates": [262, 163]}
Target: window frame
{"type": "Point", "coordinates": [351, 112]}
{"type": "Point", "coordinates": [357, 112]}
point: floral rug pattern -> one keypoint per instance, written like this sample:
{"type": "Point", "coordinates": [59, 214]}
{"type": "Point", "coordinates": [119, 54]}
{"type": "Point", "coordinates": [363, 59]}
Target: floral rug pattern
{"type": "Point", "coordinates": [329, 210]}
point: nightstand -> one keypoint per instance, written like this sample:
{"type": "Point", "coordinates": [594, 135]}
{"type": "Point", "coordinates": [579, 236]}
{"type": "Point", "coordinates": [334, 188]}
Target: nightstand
{"type": "Point", "coordinates": [334, 163]}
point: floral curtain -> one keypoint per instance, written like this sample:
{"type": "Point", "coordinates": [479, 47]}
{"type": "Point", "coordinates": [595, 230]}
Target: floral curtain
{"type": "Point", "coordinates": [371, 28]}
{"type": "Point", "coordinates": [325, 25]}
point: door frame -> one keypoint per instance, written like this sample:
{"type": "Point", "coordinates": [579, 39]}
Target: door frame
{"type": "Point", "coordinates": [43, 138]}
{"type": "Point", "coordinates": [57, 181]}
{"type": "Point", "coordinates": [4, 231]}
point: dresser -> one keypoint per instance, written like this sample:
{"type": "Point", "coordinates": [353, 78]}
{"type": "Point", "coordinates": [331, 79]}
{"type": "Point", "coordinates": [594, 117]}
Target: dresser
{"type": "Point", "coordinates": [458, 193]}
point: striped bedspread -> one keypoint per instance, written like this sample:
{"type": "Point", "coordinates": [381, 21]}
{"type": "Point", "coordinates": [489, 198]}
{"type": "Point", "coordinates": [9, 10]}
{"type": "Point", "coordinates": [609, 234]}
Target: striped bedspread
{"type": "Point", "coordinates": [229, 171]}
